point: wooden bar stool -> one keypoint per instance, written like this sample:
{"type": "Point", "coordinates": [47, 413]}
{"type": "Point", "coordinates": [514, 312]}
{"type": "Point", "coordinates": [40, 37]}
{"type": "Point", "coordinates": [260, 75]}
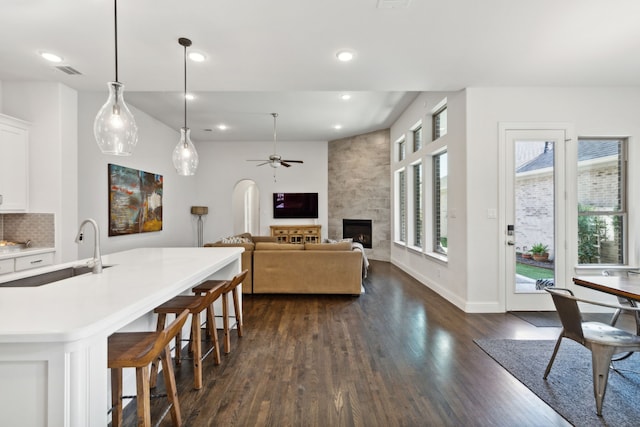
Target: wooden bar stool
{"type": "Point", "coordinates": [229, 286]}
{"type": "Point", "coordinates": [138, 350]}
{"type": "Point", "coordinates": [195, 304]}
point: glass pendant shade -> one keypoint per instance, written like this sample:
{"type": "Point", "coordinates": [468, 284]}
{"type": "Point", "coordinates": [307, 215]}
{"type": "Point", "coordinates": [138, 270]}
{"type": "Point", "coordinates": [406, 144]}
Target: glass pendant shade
{"type": "Point", "coordinates": [185, 156]}
{"type": "Point", "coordinates": [114, 128]}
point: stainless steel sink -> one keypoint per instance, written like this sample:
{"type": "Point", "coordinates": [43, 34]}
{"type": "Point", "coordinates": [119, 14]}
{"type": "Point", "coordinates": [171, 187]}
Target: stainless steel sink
{"type": "Point", "coordinates": [49, 277]}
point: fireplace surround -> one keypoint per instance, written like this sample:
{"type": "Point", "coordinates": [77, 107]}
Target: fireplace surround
{"type": "Point", "coordinates": [359, 230]}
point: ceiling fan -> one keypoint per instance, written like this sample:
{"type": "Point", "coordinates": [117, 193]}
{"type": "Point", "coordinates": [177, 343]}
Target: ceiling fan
{"type": "Point", "coordinates": [275, 160]}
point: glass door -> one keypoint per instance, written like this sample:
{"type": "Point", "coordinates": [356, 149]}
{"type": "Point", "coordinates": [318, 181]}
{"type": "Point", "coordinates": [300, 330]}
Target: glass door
{"type": "Point", "coordinates": [534, 216]}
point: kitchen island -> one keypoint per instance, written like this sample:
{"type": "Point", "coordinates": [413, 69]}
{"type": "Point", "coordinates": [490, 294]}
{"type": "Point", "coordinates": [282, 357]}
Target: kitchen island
{"type": "Point", "coordinates": [53, 338]}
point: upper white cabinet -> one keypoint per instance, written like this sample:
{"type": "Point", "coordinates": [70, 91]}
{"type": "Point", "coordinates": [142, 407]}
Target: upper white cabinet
{"type": "Point", "coordinates": [14, 165]}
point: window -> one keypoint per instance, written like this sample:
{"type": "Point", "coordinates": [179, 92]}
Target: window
{"type": "Point", "coordinates": [417, 205]}
{"type": "Point", "coordinates": [440, 123]}
{"type": "Point", "coordinates": [417, 138]}
{"type": "Point", "coordinates": [440, 178]}
{"type": "Point", "coordinates": [402, 206]}
{"type": "Point", "coordinates": [602, 201]}
{"type": "Point", "coordinates": [401, 150]}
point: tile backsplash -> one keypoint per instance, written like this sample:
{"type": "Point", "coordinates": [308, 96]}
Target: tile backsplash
{"type": "Point", "coordinates": [37, 227]}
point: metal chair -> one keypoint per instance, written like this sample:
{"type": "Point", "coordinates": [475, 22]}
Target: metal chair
{"type": "Point", "coordinates": [603, 340]}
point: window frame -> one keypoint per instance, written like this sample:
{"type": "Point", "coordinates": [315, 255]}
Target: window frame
{"type": "Point", "coordinates": [401, 152]}
{"type": "Point", "coordinates": [401, 206]}
{"type": "Point", "coordinates": [436, 204]}
{"type": "Point", "coordinates": [417, 205]}
{"type": "Point", "coordinates": [623, 211]}
{"type": "Point", "coordinates": [417, 130]}
{"type": "Point", "coordinates": [435, 118]}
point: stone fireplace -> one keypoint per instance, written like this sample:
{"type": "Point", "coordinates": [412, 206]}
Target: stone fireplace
{"type": "Point", "coordinates": [359, 186]}
{"type": "Point", "coordinates": [359, 230]}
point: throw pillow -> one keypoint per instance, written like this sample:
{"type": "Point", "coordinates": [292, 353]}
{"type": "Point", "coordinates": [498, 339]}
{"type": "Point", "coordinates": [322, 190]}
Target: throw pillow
{"type": "Point", "coordinates": [235, 239]}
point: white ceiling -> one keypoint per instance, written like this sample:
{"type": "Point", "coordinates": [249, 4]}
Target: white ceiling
{"type": "Point", "coordinates": [279, 55]}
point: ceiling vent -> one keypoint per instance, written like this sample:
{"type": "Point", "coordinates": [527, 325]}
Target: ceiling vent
{"type": "Point", "coordinates": [69, 70]}
{"type": "Point", "coordinates": [393, 4]}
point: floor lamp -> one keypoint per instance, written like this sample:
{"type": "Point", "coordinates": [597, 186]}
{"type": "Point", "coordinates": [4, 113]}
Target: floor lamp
{"type": "Point", "coordinates": [199, 210]}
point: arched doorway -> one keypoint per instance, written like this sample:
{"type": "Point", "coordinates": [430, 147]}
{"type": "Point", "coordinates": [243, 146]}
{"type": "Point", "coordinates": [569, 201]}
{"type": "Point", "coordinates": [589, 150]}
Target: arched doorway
{"type": "Point", "coordinates": [246, 207]}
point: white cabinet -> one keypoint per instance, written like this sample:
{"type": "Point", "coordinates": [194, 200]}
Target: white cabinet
{"type": "Point", "coordinates": [14, 169]}
{"type": "Point", "coordinates": [33, 261]}
{"type": "Point", "coordinates": [25, 260]}
{"type": "Point", "coordinates": [6, 266]}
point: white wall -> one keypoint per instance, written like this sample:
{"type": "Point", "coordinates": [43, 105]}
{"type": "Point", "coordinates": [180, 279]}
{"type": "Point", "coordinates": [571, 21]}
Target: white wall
{"type": "Point", "coordinates": [592, 111]}
{"type": "Point", "coordinates": [51, 108]}
{"type": "Point", "coordinates": [447, 277]}
{"type": "Point", "coordinates": [224, 164]}
{"type": "Point", "coordinates": [245, 208]}
{"type": "Point", "coordinates": [152, 154]}
{"type": "Point", "coordinates": [69, 174]}
{"type": "Point", "coordinates": [471, 278]}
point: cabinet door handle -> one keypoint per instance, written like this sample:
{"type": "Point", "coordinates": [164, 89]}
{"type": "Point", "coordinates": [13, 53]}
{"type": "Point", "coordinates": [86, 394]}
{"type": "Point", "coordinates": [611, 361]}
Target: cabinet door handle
{"type": "Point", "coordinates": [36, 261]}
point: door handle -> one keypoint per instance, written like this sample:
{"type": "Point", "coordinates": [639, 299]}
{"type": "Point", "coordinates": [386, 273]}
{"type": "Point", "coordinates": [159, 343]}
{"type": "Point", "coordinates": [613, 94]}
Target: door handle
{"type": "Point", "coordinates": [511, 243]}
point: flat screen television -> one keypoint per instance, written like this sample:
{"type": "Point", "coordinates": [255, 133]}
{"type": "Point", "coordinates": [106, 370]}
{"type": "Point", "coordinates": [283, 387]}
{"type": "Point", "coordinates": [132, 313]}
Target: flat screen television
{"type": "Point", "coordinates": [295, 205]}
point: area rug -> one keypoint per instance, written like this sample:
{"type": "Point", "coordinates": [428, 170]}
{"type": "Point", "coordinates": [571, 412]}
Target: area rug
{"type": "Point", "coordinates": [569, 387]}
{"type": "Point", "coordinates": [543, 319]}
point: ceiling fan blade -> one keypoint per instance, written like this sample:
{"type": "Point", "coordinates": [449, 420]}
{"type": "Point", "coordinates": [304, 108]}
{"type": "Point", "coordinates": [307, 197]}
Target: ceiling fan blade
{"type": "Point", "coordinates": [264, 163]}
{"type": "Point", "coordinates": [293, 161]}
{"type": "Point", "coordinates": [285, 164]}
{"type": "Point", "coordinates": [254, 160]}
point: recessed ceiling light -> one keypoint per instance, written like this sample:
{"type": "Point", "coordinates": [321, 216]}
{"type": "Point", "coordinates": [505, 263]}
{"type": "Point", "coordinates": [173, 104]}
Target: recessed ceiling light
{"type": "Point", "coordinates": [222, 126]}
{"type": "Point", "coordinates": [51, 57]}
{"type": "Point", "coordinates": [345, 96]}
{"type": "Point", "coordinates": [196, 56]}
{"type": "Point", "coordinates": [337, 127]}
{"type": "Point", "coordinates": [345, 55]}
{"type": "Point", "coordinates": [190, 96]}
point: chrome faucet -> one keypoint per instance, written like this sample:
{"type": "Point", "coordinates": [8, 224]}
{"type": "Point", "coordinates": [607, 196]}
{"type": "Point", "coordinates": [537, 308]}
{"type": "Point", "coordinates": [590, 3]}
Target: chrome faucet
{"type": "Point", "coordinates": [96, 263]}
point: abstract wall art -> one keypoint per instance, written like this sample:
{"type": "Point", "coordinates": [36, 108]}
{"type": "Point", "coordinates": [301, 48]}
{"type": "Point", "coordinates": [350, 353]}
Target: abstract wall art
{"type": "Point", "coordinates": [135, 201]}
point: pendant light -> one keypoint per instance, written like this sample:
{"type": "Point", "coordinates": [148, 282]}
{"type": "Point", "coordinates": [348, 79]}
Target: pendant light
{"type": "Point", "coordinates": [114, 128]}
{"type": "Point", "coordinates": [185, 156]}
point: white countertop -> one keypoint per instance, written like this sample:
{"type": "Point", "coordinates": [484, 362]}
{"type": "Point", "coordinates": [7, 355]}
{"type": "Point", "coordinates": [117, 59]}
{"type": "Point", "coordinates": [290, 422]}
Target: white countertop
{"type": "Point", "coordinates": [5, 254]}
{"type": "Point", "coordinates": [82, 306]}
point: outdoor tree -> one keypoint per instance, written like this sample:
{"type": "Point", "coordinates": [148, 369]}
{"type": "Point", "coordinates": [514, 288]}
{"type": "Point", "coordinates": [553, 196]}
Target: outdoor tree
{"type": "Point", "coordinates": [592, 230]}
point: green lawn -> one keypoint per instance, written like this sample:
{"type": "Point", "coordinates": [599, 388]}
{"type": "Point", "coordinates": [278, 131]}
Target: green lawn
{"type": "Point", "coordinates": [533, 272]}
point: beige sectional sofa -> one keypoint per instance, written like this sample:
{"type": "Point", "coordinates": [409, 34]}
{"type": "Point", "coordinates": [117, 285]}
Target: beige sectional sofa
{"type": "Point", "coordinates": [311, 268]}
{"type": "Point", "coordinates": [248, 242]}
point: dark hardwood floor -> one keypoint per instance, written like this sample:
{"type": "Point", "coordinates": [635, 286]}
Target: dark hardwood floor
{"type": "Point", "coordinates": [398, 355]}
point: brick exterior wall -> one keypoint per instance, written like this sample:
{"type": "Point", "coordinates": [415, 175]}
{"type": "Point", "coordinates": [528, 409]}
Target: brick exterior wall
{"type": "Point", "coordinates": [534, 211]}
{"type": "Point", "coordinates": [534, 205]}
